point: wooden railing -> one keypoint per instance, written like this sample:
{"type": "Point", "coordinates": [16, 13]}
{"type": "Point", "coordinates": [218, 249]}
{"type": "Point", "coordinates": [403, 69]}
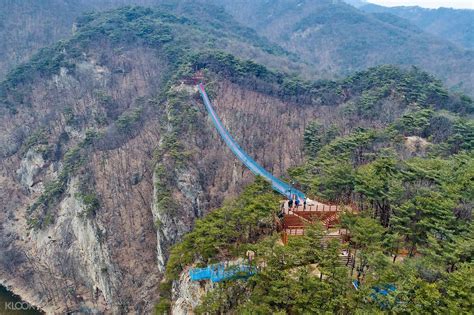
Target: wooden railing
{"type": "Point", "coordinates": [295, 219]}
{"type": "Point", "coordinates": [323, 208]}
{"type": "Point", "coordinates": [297, 230]}
{"type": "Point", "coordinates": [291, 231]}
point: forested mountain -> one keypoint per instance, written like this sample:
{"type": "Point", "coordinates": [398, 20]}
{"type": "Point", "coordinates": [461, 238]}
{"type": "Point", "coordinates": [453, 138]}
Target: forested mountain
{"type": "Point", "coordinates": [455, 25]}
{"type": "Point", "coordinates": [108, 158]}
{"type": "Point", "coordinates": [339, 39]}
{"type": "Point", "coordinates": [408, 166]}
{"type": "Point", "coordinates": [334, 38]}
{"type": "Point", "coordinates": [27, 26]}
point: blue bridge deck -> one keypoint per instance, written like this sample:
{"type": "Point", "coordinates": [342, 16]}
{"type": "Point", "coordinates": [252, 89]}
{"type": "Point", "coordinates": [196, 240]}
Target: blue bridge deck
{"type": "Point", "coordinates": [221, 272]}
{"type": "Point", "coordinates": [277, 184]}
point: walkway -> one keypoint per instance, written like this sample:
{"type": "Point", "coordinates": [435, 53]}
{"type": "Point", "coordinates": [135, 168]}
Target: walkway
{"type": "Point", "coordinates": [278, 185]}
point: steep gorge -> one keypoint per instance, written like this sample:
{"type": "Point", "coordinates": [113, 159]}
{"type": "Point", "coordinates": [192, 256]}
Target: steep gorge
{"type": "Point", "coordinates": [107, 158]}
{"type": "Point", "coordinates": [104, 165]}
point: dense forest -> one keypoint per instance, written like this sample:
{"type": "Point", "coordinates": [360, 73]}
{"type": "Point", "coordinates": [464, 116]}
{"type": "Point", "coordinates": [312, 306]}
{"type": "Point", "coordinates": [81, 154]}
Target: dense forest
{"type": "Point", "coordinates": [413, 232]}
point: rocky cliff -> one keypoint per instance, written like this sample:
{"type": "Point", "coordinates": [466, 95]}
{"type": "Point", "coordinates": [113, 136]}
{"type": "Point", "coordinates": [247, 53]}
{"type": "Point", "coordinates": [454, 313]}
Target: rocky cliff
{"type": "Point", "coordinates": [106, 162]}
{"type": "Point", "coordinates": [76, 217]}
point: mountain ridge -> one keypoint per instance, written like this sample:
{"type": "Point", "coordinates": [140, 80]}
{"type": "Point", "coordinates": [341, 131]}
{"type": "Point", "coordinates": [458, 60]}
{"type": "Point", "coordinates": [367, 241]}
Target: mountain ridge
{"type": "Point", "coordinates": [455, 25]}
{"type": "Point", "coordinates": [340, 49]}
{"type": "Point", "coordinates": [338, 38]}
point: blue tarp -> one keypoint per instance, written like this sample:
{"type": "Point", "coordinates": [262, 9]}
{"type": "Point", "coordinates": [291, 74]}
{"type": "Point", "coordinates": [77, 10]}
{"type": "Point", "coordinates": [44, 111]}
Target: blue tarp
{"type": "Point", "coordinates": [277, 184]}
{"type": "Point", "coordinates": [384, 290]}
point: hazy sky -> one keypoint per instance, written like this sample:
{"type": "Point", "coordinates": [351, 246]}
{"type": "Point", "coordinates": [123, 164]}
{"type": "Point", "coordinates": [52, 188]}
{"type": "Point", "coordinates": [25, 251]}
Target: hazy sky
{"type": "Point", "coordinates": [464, 4]}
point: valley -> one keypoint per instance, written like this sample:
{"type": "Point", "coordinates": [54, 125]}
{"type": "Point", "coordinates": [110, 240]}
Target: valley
{"type": "Point", "coordinates": [114, 182]}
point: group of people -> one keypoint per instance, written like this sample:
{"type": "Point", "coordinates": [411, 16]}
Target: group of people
{"type": "Point", "coordinates": [295, 201]}
{"type": "Point", "coordinates": [293, 204]}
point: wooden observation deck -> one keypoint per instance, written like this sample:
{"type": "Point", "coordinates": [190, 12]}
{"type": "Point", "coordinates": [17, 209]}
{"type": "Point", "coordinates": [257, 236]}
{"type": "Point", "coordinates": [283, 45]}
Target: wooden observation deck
{"type": "Point", "coordinates": [295, 219]}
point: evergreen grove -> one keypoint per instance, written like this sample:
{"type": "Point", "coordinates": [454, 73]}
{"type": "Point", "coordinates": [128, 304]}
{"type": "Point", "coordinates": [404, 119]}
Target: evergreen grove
{"type": "Point", "coordinates": [413, 231]}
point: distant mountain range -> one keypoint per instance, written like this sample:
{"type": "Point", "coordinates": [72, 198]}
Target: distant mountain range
{"type": "Point", "coordinates": [332, 37]}
{"type": "Point", "coordinates": [337, 38]}
{"type": "Point", "coordinates": [454, 25]}
{"type": "Point", "coordinates": [356, 3]}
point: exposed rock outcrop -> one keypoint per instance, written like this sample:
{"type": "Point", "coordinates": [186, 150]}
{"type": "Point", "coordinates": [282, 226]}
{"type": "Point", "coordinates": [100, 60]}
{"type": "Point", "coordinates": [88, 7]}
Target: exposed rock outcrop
{"type": "Point", "coordinates": [30, 167]}
{"type": "Point", "coordinates": [105, 178]}
{"type": "Point", "coordinates": [187, 294]}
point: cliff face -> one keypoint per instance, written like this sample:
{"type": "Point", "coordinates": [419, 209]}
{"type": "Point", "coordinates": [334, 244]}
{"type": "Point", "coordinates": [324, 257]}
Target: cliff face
{"type": "Point", "coordinates": [187, 294]}
{"type": "Point", "coordinates": [89, 243]}
{"type": "Point", "coordinates": [100, 176]}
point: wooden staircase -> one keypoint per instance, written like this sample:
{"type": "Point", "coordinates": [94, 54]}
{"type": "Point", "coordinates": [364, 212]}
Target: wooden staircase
{"type": "Point", "coordinates": [295, 220]}
{"type": "Point", "coordinates": [346, 260]}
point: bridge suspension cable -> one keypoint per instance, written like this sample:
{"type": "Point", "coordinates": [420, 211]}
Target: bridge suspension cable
{"type": "Point", "coordinates": [277, 184]}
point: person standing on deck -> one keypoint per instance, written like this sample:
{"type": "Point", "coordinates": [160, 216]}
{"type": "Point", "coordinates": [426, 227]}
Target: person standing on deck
{"type": "Point", "coordinates": [290, 204]}
{"type": "Point", "coordinates": [304, 203]}
{"type": "Point", "coordinates": [281, 213]}
{"type": "Point", "coordinates": [297, 202]}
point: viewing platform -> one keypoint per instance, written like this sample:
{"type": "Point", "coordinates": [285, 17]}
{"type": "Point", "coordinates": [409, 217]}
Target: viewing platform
{"type": "Point", "coordinates": [294, 220]}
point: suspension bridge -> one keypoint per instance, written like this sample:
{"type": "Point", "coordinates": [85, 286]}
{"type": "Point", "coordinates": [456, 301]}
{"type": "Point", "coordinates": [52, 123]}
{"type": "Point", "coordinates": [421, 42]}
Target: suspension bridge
{"type": "Point", "coordinates": [277, 184]}
{"type": "Point", "coordinates": [294, 218]}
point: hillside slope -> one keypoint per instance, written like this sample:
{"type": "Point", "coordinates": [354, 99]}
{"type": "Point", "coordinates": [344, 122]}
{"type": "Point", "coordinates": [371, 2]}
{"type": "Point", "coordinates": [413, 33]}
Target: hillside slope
{"type": "Point", "coordinates": [107, 157]}
{"type": "Point", "coordinates": [27, 26]}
